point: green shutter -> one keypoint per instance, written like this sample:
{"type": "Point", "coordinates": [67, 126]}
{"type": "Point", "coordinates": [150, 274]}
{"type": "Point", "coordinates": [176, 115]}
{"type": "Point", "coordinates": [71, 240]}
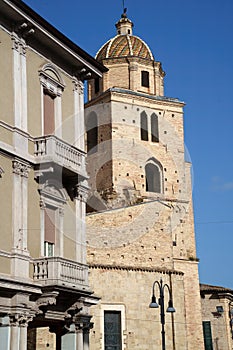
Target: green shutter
{"type": "Point", "coordinates": [207, 335]}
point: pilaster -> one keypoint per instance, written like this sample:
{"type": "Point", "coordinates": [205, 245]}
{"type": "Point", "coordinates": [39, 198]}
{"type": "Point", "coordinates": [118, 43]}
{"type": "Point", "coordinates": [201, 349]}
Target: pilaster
{"type": "Point", "coordinates": [81, 145]}
{"type": "Point", "coordinates": [20, 82]}
{"type": "Point", "coordinates": [80, 195]}
{"type": "Point", "coordinates": [18, 331]}
{"type": "Point", "coordinates": [20, 263]}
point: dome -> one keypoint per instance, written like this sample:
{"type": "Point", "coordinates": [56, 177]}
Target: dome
{"type": "Point", "coordinates": [124, 44]}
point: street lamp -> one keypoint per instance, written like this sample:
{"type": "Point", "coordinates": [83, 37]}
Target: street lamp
{"type": "Point", "coordinates": [155, 305]}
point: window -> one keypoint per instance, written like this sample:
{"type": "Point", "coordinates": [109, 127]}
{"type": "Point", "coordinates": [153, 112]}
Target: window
{"type": "Point", "coordinates": [92, 132]}
{"type": "Point", "coordinates": [97, 85]}
{"type": "Point", "coordinates": [207, 335]}
{"type": "Point", "coordinates": [154, 128]}
{"type": "Point", "coordinates": [145, 78]}
{"type": "Point", "coordinates": [112, 330]}
{"type": "Point", "coordinates": [153, 178]}
{"type": "Point", "coordinates": [49, 231]}
{"type": "Point", "coordinates": [52, 86]}
{"type": "Point", "coordinates": [144, 127]}
{"type": "Point", "coordinates": [49, 125]}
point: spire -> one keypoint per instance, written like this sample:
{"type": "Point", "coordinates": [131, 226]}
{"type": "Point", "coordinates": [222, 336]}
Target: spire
{"type": "Point", "coordinates": [124, 25]}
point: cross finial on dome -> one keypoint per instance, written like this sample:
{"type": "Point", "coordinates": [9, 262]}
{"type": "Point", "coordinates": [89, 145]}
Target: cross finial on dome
{"type": "Point", "coordinates": [124, 25]}
{"type": "Point", "coordinates": [124, 15]}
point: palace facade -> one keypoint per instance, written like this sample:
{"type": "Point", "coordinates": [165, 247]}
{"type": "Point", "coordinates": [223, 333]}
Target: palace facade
{"type": "Point", "coordinates": [43, 270]}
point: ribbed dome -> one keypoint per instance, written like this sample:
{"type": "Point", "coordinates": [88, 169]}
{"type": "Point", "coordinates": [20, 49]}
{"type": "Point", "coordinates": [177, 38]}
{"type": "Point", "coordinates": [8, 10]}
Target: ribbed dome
{"type": "Point", "coordinates": [124, 46]}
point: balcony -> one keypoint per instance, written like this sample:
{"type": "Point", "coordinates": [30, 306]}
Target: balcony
{"type": "Point", "coordinates": [62, 272]}
{"type": "Point", "coordinates": [51, 149]}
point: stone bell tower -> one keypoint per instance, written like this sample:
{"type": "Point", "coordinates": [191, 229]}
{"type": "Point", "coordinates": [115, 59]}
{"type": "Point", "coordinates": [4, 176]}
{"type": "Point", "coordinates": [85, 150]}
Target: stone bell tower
{"type": "Point", "coordinates": [140, 223]}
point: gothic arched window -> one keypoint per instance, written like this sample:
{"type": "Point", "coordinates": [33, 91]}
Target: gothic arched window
{"type": "Point", "coordinates": [153, 178]}
{"type": "Point", "coordinates": [154, 128]}
{"type": "Point", "coordinates": [144, 127]}
{"type": "Point", "coordinates": [92, 132]}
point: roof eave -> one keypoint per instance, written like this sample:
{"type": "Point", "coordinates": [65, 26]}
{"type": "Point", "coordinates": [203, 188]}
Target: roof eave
{"type": "Point", "coordinates": [19, 11]}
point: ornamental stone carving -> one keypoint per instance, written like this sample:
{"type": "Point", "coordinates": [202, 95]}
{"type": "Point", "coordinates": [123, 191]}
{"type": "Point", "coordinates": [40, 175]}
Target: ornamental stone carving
{"type": "Point", "coordinates": [18, 44]}
{"type": "Point", "coordinates": [20, 319]}
{"type": "Point", "coordinates": [80, 87]}
{"type": "Point", "coordinates": [20, 168]}
{"type": "Point", "coordinates": [81, 192]}
{"type": "Point", "coordinates": [15, 42]}
{"type": "Point", "coordinates": [47, 299]}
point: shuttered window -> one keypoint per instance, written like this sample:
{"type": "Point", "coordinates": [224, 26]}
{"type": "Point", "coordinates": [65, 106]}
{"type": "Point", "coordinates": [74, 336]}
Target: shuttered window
{"type": "Point", "coordinates": [49, 124]}
{"type": "Point", "coordinates": [49, 231]}
{"type": "Point", "coordinates": [207, 335]}
{"type": "Point", "coordinates": [112, 330]}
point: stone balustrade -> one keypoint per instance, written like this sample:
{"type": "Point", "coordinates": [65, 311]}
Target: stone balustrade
{"type": "Point", "coordinates": [52, 149]}
{"type": "Point", "coordinates": [60, 271]}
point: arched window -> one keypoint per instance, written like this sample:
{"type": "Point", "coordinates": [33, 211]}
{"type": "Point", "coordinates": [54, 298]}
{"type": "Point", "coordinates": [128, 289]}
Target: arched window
{"type": "Point", "coordinates": [154, 128]}
{"type": "Point", "coordinates": [145, 78]}
{"type": "Point", "coordinates": [92, 132]}
{"type": "Point", "coordinates": [52, 86]}
{"type": "Point", "coordinates": [153, 178]}
{"type": "Point", "coordinates": [144, 127]}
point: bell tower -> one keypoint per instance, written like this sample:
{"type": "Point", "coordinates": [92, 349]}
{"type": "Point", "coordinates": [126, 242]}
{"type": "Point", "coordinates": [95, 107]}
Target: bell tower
{"type": "Point", "coordinates": [140, 201]}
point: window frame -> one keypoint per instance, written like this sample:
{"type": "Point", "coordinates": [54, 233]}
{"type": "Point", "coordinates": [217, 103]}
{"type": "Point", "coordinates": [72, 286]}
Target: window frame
{"type": "Point", "coordinates": [145, 79]}
{"type": "Point", "coordinates": [117, 333]}
{"type": "Point", "coordinates": [52, 84]}
{"type": "Point", "coordinates": [113, 307]}
{"type": "Point", "coordinates": [55, 198]}
{"type": "Point", "coordinates": [208, 346]}
{"type": "Point", "coordinates": [155, 165]}
{"type": "Point", "coordinates": [144, 126]}
{"type": "Point", "coordinates": [154, 126]}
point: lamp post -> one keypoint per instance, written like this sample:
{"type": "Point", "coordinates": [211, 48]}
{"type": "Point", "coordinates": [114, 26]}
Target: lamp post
{"type": "Point", "coordinates": [155, 305]}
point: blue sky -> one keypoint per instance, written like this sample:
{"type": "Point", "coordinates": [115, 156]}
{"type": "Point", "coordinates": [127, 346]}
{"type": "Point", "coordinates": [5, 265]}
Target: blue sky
{"type": "Point", "coordinates": [193, 40]}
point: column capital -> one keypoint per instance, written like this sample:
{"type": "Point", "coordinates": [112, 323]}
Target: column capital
{"type": "Point", "coordinates": [15, 42]}
{"type": "Point", "coordinates": [20, 168]}
{"type": "Point", "coordinates": [83, 325]}
{"type": "Point", "coordinates": [20, 319]}
{"type": "Point", "coordinates": [81, 192]}
{"type": "Point", "coordinates": [78, 86]}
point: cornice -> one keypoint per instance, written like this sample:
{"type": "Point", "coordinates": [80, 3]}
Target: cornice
{"type": "Point", "coordinates": [135, 268]}
{"type": "Point", "coordinates": [109, 95]}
